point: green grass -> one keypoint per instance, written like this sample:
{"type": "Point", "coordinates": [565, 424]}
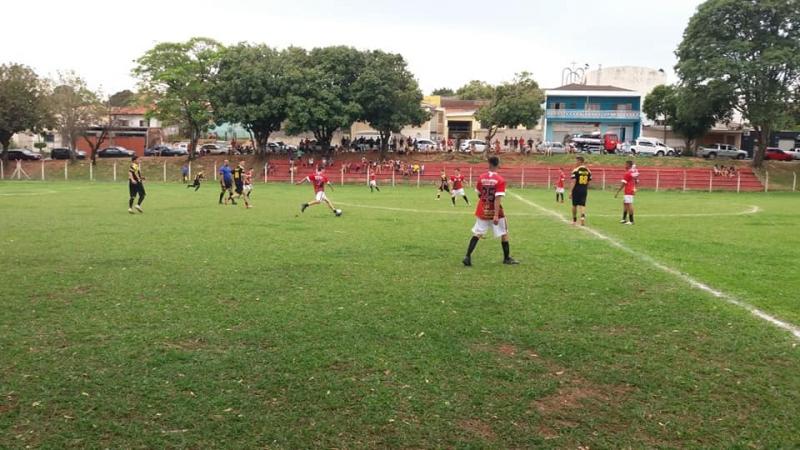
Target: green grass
{"type": "Point", "coordinates": [197, 325]}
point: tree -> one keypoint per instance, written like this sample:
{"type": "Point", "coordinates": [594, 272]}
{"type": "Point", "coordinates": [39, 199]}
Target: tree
{"type": "Point", "coordinates": [321, 99]}
{"type": "Point", "coordinates": [475, 90]}
{"type": "Point", "coordinates": [175, 77]}
{"type": "Point", "coordinates": [122, 98]}
{"type": "Point", "coordinates": [444, 92]}
{"type": "Point", "coordinates": [23, 103]}
{"type": "Point", "coordinates": [388, 95]}
{"type": "Point", "coordinates": [101, 113]}
{"type": "Point", "coordinates": [75, 108]}
{"type": "Point", "coordinates": [697, 109]}
{"type": "Point", "coordinates": [512, 104]}
{"type": "Point", "coordinates": [752, 48]}
{"type": "Point", "coordinates": [252, 89]}
{"type": "Point", "coordinates": [661, 102]}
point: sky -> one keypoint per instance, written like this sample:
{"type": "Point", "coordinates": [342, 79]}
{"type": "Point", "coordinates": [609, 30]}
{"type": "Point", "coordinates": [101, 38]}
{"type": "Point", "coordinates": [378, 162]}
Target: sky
{"type": "Point", "coordinates": [445, 42]}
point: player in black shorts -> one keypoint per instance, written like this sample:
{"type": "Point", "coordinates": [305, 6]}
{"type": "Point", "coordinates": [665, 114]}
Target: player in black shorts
{"type": "Point", "coordinates": [444, 184]}
{"type": "Point", "coordinates": [238, 181]}
{"type": "Point", "coordinates": [581, 177]}
{"type": "Point", "coordinates": [197, 179]}
{"type": "Point", "coordinates": [135, 185]}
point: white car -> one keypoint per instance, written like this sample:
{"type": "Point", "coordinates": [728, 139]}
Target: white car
{"type": "Point", "coordinates": [425, 145]}
{"type": "Point", "coordinates": [795, 153]}
{"type": "Point", "coordinates": [473, 145]}
{"type": "Point", "coordinates": [649, 146]}
{"type": "Point", "coordinates": [213, 149]}
{"type": "Point", "coordinates": [552, 147]}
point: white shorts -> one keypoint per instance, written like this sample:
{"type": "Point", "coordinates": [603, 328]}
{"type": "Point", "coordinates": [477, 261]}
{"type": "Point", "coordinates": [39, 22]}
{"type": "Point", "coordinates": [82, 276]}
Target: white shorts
{"type": "Point", "coordinates": [373, 183]}
{"type": "Point", "coordinates": [460, 192]}
{"type": "Point", "coordinates": [482, 227]}
{"type": "Point", "coordinates": [248, 187]}
{"type": "Point", "coordinates": [627, 199]}
{"type": "Point", "coordinates": [321, 196]}
{"type": "Point", "coordinates": [559, 190]}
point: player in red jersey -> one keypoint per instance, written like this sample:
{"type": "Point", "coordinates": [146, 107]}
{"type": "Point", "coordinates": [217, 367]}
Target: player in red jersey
{"type": "Point", "coordinates": [491, 189]}
{"type": "Point", "coordinates": [560, 186]}
{"type": "Point", "coordinates": [319, 181]}
{"type": "Point", "coordinates": [629, 185]}
{"type": "Point", "coordinates": [373, 182]}
{"type": "Point", "coordinates": [457, 187]}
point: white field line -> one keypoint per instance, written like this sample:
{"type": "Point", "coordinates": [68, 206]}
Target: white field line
{"type": "Point", "coordinates": [793, 329]}
{"type": "Point", "coordinates": [752, 210]}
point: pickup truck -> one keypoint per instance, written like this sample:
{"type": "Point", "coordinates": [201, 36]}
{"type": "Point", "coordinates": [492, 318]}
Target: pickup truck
{"type": "Point", "coordinates": [721, 151]}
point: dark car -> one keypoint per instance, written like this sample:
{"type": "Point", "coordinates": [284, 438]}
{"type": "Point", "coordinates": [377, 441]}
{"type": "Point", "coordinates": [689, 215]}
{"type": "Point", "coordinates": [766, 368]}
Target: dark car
{"type": "Point", "coordinates": [173, 151]}
{"type": "Point", "coordinates": [776, 154]}
{"type": "Point", "coordinates": [23, 154]}
{"type": "Point", "coordinates": [67, 153]}
{"type": "Point", "coordinates": [115, 152]}
{"type": "Point", "coordinates": [154, 150]}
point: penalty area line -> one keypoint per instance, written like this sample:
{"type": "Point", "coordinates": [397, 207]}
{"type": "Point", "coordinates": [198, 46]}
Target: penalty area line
{"type": "Point", "coordinates": [791, 328]}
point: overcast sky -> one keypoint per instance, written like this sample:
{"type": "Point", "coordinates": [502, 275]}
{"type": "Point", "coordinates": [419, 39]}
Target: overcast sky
{"type": "Point", "coordinates": [445, 42]}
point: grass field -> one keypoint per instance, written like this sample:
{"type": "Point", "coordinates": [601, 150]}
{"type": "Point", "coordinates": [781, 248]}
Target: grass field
{"type": "Point", "coordinates": [202, 326]}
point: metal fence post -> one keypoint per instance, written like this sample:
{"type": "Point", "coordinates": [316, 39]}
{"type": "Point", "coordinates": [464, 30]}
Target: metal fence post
{"type": "Point", "coordinates": [684, 181]}
{"type": "Point", "coordinates": [794, 181]}
{"type": "Point", "coordinates": [738, 182]}
{"type": "Point", "coordinates": [91, 172]}
{"type": "Point", "coordinates": [604, 179]}
{"type": "Point", "coordinates": [342, 174]}
{"type": "Point", "coordinates": [658, 180]}
{"type": "Point", "coordinates": [368, 169]}
{"type": "Point", "coordinates": [42, 170]}
{"type": "Point", "coordinates": [470, 177]}
{"type": "Point", "coordinates": [215, 171]}
{"type": "Point", "coordinates": [392, 176]}
{"type": "Point", "coordinates": [766, 185]}
{"type": "Point", "coordinates": [115, 171]}
{"type": "Point", "coordinates": [266, 167]}
{"type": "Point", "coordinates": [2, 171]}
{"type": "Point", "coordinates": [165, 171]}
{"type": "Point", "coordinates": [548, 178]}
{"type": "Point", "coordinates": [522, 183]}
{"type": "Point", "coordinates": [66, 175]}
{"type": "Point", "coordinates": [190, 171]}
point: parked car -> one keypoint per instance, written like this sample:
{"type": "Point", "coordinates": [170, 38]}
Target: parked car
{"type": "Point", "coordinates": [721, 151]}
{"type": "Point", "coordinates": [552, 147]}
{"type": "Point", "coordinates": [280, 147]}
{"type": "Point", "coordinates": [795, 153]}
{"type": "Point", "coordinates": [649, 146]}
{"type": "Point", "coordinates": [174, 151]}
{"type": "Point", "coordinates": [115, 152]}
{"type": "Point", "coordinates": [610, 142]}
{"type": "Point", "coordinates": [155, 150]}
{"type": "Point", "coordinates": [213, 149]}
{"type": "Point", "coordinates": [66, 153]}
{"type": "Point", "coordinates": [474, 145]}
{"type": "Point", "coordinates": [776, 154]}
{"type": "Point", "coordinates": [425, 145]}
{"type": "Point", "coordinates": [23, 154]}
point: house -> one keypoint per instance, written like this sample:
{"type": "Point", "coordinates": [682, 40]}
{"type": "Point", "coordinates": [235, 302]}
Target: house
{"type": "Point", "coordinates": [581, 108]}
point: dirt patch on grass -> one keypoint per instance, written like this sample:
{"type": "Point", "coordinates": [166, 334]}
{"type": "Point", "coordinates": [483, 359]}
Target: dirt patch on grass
{"type": "Point", "coordinates": [478, 428]}
{"type": "Point", "coordinates": [186, 344]}
{"type": "Point", "coordinates": [507, 350]}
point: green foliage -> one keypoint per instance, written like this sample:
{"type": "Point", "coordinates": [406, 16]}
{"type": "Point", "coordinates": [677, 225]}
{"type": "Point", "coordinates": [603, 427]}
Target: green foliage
{"type": "Point", "coordinates": [23, 102]}
{"type": "Point", "coordinates": [175, 77]}
{"type": "Point", "coordinates": [444, 92]}
{"type": "Point", "coordinates": [514, 103]}
{"type": "Point", "coordinates": [476, 90]}
{"type": "Point", "coordinates": [661, 102]}
{"type": "Point", "coordinates": [252, 88]}
{"type": "Point", "coordinates": [321, 100]}
{"type": "Point", "coordinates": [388, 95]}
{"type": "Point", "coordinates": [752, 48]}
{"type": "Point", "coordinates": [122, 98]}
{"type": "Point", "coordinates": [75, 108]}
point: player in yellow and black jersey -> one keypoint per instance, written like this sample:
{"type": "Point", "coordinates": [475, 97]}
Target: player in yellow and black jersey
{"type": "Point", "coordinates": [581, 177]}
{"type": "Point", "coordinates": [238, 181]}
{"type": "Point", "coordinates": [444, 184]}
{"type": "Point", "coordinates": [135, 185]}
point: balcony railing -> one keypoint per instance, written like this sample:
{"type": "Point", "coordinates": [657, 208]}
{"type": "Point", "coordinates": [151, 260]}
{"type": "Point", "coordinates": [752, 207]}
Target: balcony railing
{"type": "Point", "coordinates": [591, 114]}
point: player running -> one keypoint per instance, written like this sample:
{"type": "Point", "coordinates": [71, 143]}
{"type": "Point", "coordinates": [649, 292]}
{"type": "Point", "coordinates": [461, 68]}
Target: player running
{"type": "Point", "coordinates": [226, 183]}
{"type": "Point", "coordinates": [560, 186]}
{"type": "Point", "coordinates": [248, 187]}
{"type": "Point", "coordinates": [197, 179]}
{"type": "Point", "coordinates": [135, 185]}
{"type": "Point", "coordinates": [373, 182]}
{"type": "Point", "coordinates": [491, 189]}
{"type": "Point", "coordinates": [629, 185]}
{"type": "Point", "coordinates": [443, 185]}
{"type": "Point", "coordinates": [319, 181]}
{"type": "Point", "coordinates": [238, 180]}
{"type": "Point", "coordinates": [581, 177]}
{"type": "Point", "coordinates": [457, 187]}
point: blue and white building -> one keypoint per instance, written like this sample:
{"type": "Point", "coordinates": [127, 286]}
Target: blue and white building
{"type": "Point", "coordinates": [581, 108]}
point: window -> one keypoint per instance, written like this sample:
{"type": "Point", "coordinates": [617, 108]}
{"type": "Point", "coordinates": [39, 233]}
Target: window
{"type": "Point", "coordinates": [141, 123]}
{"type": "Point", "coordinates": [593, 106]}
{"type": "Point", "coordinates": [645, 144]}
{"type": "Point", "coordinates": [573, 105]}
{"type": "Point", "coordinates": [624, 107]}
{"type": "Point", "coordinates": [559, 106]}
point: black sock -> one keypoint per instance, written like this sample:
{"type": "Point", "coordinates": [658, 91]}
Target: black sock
{"type": "Point", "coordinates": [130, 203]}
{"type": "Point", "coordinates": [472, 244]}
{"type": "Point", "coordinates": [141, 199]}
{"type": "Point", "coordinates": [631, 216]}
{"type": "Point", "coordinates": [453, 199]}
{"type": "Point", "coordinates": [506, 250]}
{"type": "Point", "coordinates": [466, 199]}
{"type": "Point", "coordinates": [625, 215]}
{"type": "Point", "coordinates": [377, 189]}
{"type": "Point", "coordinates": [221, 195]}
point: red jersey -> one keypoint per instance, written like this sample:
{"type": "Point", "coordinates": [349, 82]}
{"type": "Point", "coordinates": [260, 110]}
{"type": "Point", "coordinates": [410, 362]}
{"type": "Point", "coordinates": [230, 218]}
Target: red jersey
{"type": "Point", "coordinates": [490, 186]}
{"type": "Point", "coordinates": [372, 177]}
{"type": "Point", "coordinates": [561, 178]}
{"type": "Point", "coordinates": [458, 182]}
{"type": "Point", "coordinates": [630, 183]}
{"type": "Point", "coordinates": [318, 181]}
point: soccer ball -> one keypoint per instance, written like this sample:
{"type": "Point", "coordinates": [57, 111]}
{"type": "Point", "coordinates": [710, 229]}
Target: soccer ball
{"type": "Point", "coordinates": [338, 212]}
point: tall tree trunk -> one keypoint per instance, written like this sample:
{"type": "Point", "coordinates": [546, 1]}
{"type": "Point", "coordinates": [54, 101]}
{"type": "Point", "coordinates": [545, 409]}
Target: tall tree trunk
{"type": "Point", "coordinates": [385, 135]}
{"type": "Point", "coordinates": [261, 138]}
{"type": "Point", "coordinates": [5, 141]}
{"type": "Point", "coordinates": [195, 136]}
{"type": "Point", "coordinates": [763, 142]}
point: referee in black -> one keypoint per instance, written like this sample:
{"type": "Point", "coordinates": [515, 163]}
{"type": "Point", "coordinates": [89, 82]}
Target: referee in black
{"type": "Point", "coordinates": [135, 185]}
